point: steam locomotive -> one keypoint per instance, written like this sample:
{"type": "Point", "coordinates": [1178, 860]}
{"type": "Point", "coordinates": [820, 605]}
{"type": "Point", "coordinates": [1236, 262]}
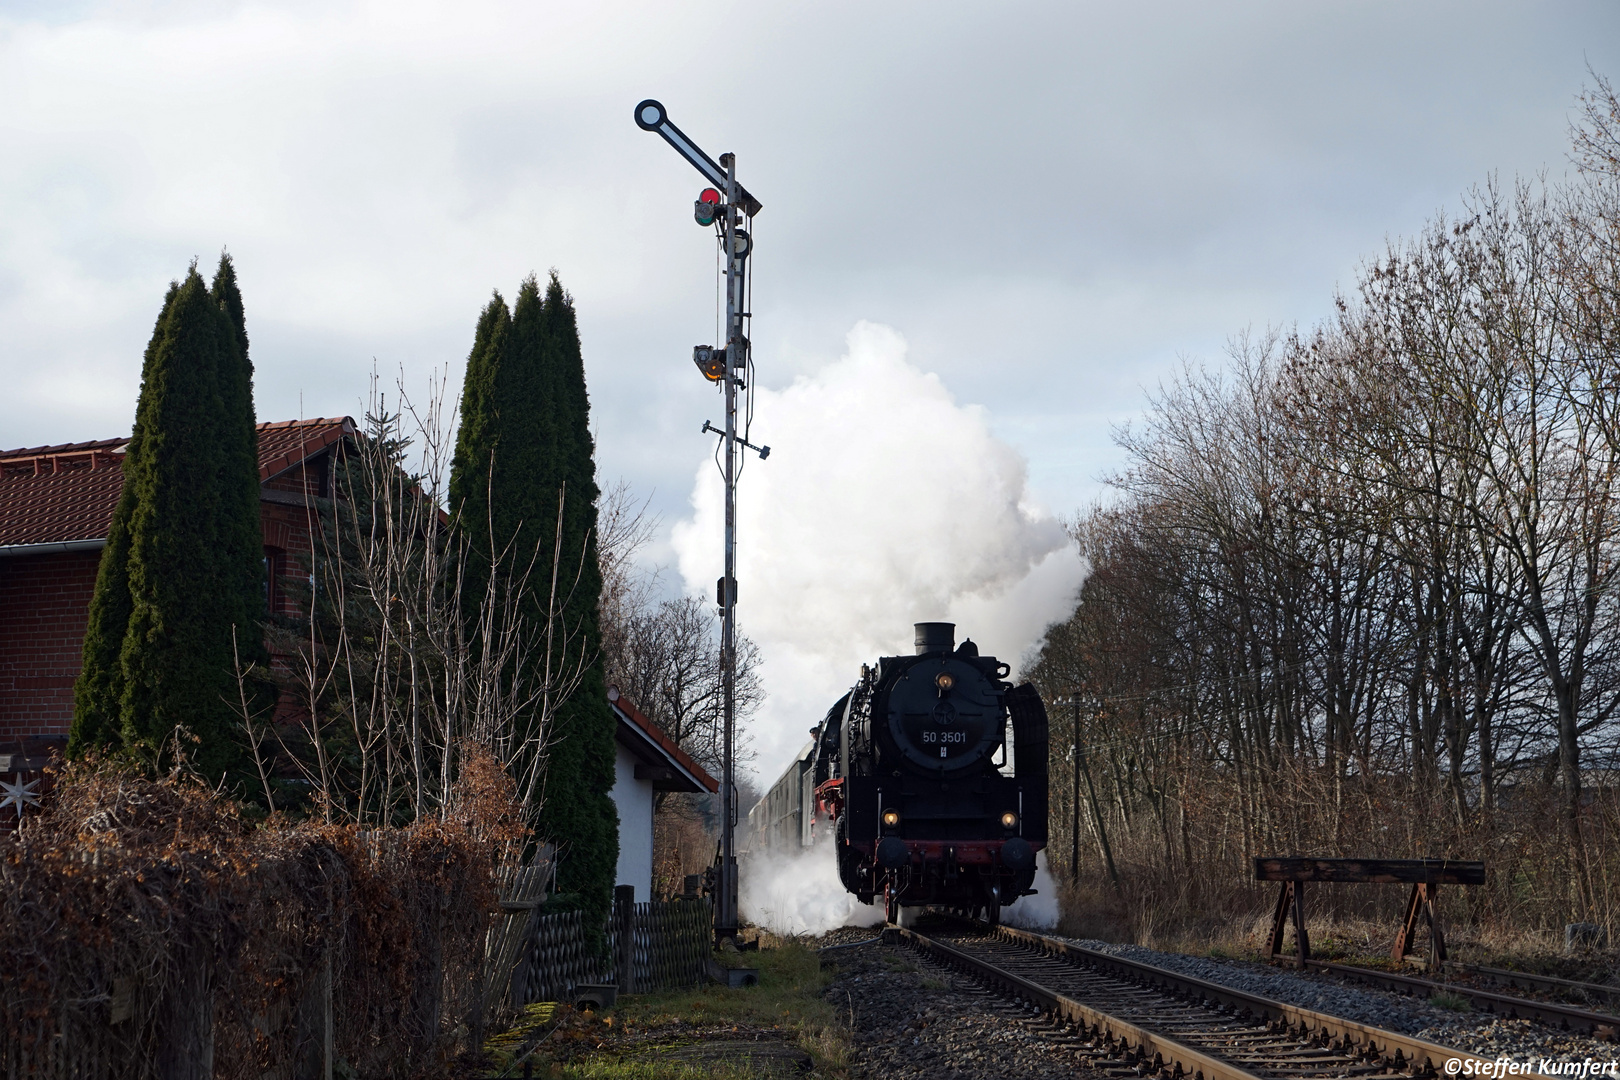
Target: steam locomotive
{"type": "Point", "coordinates": [911, 770]}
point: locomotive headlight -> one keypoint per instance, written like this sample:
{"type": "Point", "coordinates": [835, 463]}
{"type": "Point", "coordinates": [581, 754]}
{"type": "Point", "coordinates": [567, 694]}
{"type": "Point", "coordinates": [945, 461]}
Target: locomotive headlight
{"type": "Point", "coordinates": [1009, 819]}
{"type": "Point", "coordinates": [944, 681]}
{"type": "Point", "coordinates": [891, 818]}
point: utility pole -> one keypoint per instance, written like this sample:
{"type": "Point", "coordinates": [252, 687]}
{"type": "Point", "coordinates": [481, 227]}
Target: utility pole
{"type": "Point", "coordinates": [1074, 802]}
{"type": "Point", "coordinates": [727, 365]}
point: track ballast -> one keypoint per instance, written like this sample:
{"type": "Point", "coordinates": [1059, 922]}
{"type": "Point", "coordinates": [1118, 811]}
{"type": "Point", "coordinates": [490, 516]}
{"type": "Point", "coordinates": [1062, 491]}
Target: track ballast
{"type": "Point", "coordinates": [1136, 1020]}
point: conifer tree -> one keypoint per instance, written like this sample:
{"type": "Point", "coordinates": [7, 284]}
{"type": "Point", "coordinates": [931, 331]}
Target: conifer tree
{"type": "Point", "coordinates": [239, 548]}
{"type": "Point", "coordinates": [99, 689]}
{"type": "Point", "coordinates": [182, 564]}
{"type": "Point", "coordinates": [524, 442]}
{"type": "Point", "coordinates": [578, 809]}
{"type": "Point", "coordinates": [176, 654]}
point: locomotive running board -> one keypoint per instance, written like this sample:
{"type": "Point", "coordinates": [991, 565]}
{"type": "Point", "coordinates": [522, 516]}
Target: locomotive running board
{"type": "Point", "coordinates": [1194, 1063]}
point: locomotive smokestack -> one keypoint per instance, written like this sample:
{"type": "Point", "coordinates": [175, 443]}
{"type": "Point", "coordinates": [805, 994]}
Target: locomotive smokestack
{"type": "Point", "coordinates": [935, 637]}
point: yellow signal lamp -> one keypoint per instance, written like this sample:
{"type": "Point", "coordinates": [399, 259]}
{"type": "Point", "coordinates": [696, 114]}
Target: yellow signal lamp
{"type": "Point", "coordinates": [710, 361]}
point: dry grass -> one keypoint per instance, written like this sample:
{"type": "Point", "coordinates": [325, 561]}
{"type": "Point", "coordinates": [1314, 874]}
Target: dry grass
{"type": "Point", "coordinates": [1186, 880]}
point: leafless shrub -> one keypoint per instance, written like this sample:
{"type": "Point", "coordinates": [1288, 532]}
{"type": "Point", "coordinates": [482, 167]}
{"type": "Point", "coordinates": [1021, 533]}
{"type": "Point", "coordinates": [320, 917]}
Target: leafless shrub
{"type": "Point", "coordinates": [394, 666]}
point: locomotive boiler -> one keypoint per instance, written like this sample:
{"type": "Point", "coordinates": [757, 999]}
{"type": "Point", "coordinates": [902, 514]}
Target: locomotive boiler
{"type": "Point", "coordinates": [929, 800]}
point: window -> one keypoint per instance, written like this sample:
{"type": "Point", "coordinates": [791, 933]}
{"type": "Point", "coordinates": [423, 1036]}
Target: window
{"type": "Point", "coordinates": [273, 568]}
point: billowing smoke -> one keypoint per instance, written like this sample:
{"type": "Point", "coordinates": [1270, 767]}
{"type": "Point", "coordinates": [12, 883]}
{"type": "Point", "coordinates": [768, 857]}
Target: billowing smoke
{"type": "Point", "coordinates": [884, 502]}
{"type": "Point", "coordinates": [796, 890]}
{"type": "Point", "coordinates": [1038, 912]}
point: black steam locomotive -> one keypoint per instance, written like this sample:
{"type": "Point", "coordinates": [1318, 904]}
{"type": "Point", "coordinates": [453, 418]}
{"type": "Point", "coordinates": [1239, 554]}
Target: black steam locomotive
{"type": "Point", "coordinates": [911, 768]}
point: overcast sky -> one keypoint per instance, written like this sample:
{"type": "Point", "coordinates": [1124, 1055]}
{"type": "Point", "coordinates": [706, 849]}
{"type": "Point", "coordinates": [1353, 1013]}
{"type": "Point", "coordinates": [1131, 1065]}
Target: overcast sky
{"type": "Point", "coordinates": [1050, 204]}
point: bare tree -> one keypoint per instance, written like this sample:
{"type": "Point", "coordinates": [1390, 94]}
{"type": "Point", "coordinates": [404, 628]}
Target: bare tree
{"type": "Point", "coordinates": [663, 651]}
{"type": "Point", "coordinates": [391, 669]}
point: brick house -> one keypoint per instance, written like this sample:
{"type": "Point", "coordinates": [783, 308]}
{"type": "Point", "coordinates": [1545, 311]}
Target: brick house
{"type": "Point", "coordinates": [56, 503]}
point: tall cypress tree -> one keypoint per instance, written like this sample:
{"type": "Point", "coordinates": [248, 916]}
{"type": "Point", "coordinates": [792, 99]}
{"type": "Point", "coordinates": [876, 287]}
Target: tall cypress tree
{"type": "Point", "coordinates": [99, 690]}
{"type": "Point", "coordinates": [239, 542]}
{"type": "Point", "coordinates": [525, 438]}
{"type": "Point", "coordinates": [182, 564]}
{"type": "Point", "coordinates": [582, 734]}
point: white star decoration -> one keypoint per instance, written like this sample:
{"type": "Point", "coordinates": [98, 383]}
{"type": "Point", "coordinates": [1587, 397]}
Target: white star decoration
{"type": "Point", "coordinates": [18, 794]}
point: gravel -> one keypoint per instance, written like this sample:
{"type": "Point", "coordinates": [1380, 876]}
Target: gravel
{"type": "Point", "coordinates": [911, 1019]}
{"type": "Point", "coordinates": [1477, 1033]}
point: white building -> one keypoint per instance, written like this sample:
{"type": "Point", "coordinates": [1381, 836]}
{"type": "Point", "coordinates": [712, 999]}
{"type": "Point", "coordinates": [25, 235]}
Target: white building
{"type": "Point", "coordinates": [647, 760]}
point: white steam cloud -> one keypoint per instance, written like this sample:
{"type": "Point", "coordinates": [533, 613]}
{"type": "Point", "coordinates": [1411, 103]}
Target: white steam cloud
{"type": "Point", "coordinates": [1038, 912]}
{"type": "Point", "coordinates": [884, 502]}
{"type": "Point", "coordinates": [794, 891]}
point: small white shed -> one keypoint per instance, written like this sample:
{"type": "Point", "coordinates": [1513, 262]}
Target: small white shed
{"type": "Point", "coordinates": [646, 761]}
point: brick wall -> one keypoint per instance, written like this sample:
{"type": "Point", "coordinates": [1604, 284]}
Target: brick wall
{"type": "Point", "coordinates": [44, 606]}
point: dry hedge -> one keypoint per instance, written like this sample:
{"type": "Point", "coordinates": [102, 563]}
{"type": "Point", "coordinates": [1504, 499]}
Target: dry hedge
{"type": "Point", "coordinates": [147, 930]}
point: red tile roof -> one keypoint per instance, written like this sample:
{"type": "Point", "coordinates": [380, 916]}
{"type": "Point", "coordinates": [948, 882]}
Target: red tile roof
{"type": "Point", "coordinates": [57, 494]}
{"type": "Point", "coordinates": [67, 493]}
{"type": "Point", "coordinates": [284, 444]}
{"type": "Point", "coordinates": [627, 709]}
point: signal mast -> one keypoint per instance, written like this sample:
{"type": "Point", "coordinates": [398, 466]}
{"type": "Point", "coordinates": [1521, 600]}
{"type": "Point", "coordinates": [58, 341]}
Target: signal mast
{"type": "Point", "coordinates": [724, 204]}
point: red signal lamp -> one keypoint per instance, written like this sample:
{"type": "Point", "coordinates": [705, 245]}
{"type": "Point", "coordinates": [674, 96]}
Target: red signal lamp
{"type": "Point", "coordinates": [707, 207]}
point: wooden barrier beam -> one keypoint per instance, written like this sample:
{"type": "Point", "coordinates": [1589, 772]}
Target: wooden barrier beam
{"type": "Point", "coordinates": [1424, 875]}
{"type": "Point", "coordinates": [1376, 871]}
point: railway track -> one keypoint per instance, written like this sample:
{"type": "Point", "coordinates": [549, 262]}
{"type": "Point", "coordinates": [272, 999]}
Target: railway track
{"type": "Point", "coordinates": [1554, 1014]}
{"type": "Point", "coordinates": [1546, 984]}
{"type": "Point", "coordinates": [1134, 1019]}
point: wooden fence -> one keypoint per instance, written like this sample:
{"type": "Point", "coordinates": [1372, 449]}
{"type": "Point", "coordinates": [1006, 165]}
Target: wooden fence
{"type": "Point", "coordinates": [670, 940]}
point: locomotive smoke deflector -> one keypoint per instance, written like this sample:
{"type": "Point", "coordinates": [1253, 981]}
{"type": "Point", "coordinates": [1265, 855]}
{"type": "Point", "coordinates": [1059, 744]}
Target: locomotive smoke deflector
{"type": "Point", "coordinates": [935, 637]}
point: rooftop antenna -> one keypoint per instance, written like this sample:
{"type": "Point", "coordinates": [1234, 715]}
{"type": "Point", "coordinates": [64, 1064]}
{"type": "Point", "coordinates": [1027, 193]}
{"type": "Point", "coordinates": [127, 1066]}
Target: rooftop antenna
{"type": "Point", "coordinates": [722, 206]}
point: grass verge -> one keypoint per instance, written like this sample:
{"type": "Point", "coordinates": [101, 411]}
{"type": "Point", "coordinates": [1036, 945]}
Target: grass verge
{"type": "Point", "coordinates": [706, 1033]}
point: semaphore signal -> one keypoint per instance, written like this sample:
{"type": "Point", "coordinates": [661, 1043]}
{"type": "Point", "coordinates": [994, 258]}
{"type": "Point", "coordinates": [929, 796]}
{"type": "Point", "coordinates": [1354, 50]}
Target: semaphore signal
{"type": "Point", "coordinates": [723, 206]}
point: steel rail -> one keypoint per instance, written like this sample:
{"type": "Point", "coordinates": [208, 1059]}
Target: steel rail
{"type": "Point", "coordinates": [1403, 1053]}
{"type": "Point", "coordinates": [1388, 1044]}
{"type": "Point", "coordinates": [1548, 983]}
{"type": "Point", "coordinates": [1162, 1051]}
{"type": "Point", "coordinates": [1564, 1017]}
